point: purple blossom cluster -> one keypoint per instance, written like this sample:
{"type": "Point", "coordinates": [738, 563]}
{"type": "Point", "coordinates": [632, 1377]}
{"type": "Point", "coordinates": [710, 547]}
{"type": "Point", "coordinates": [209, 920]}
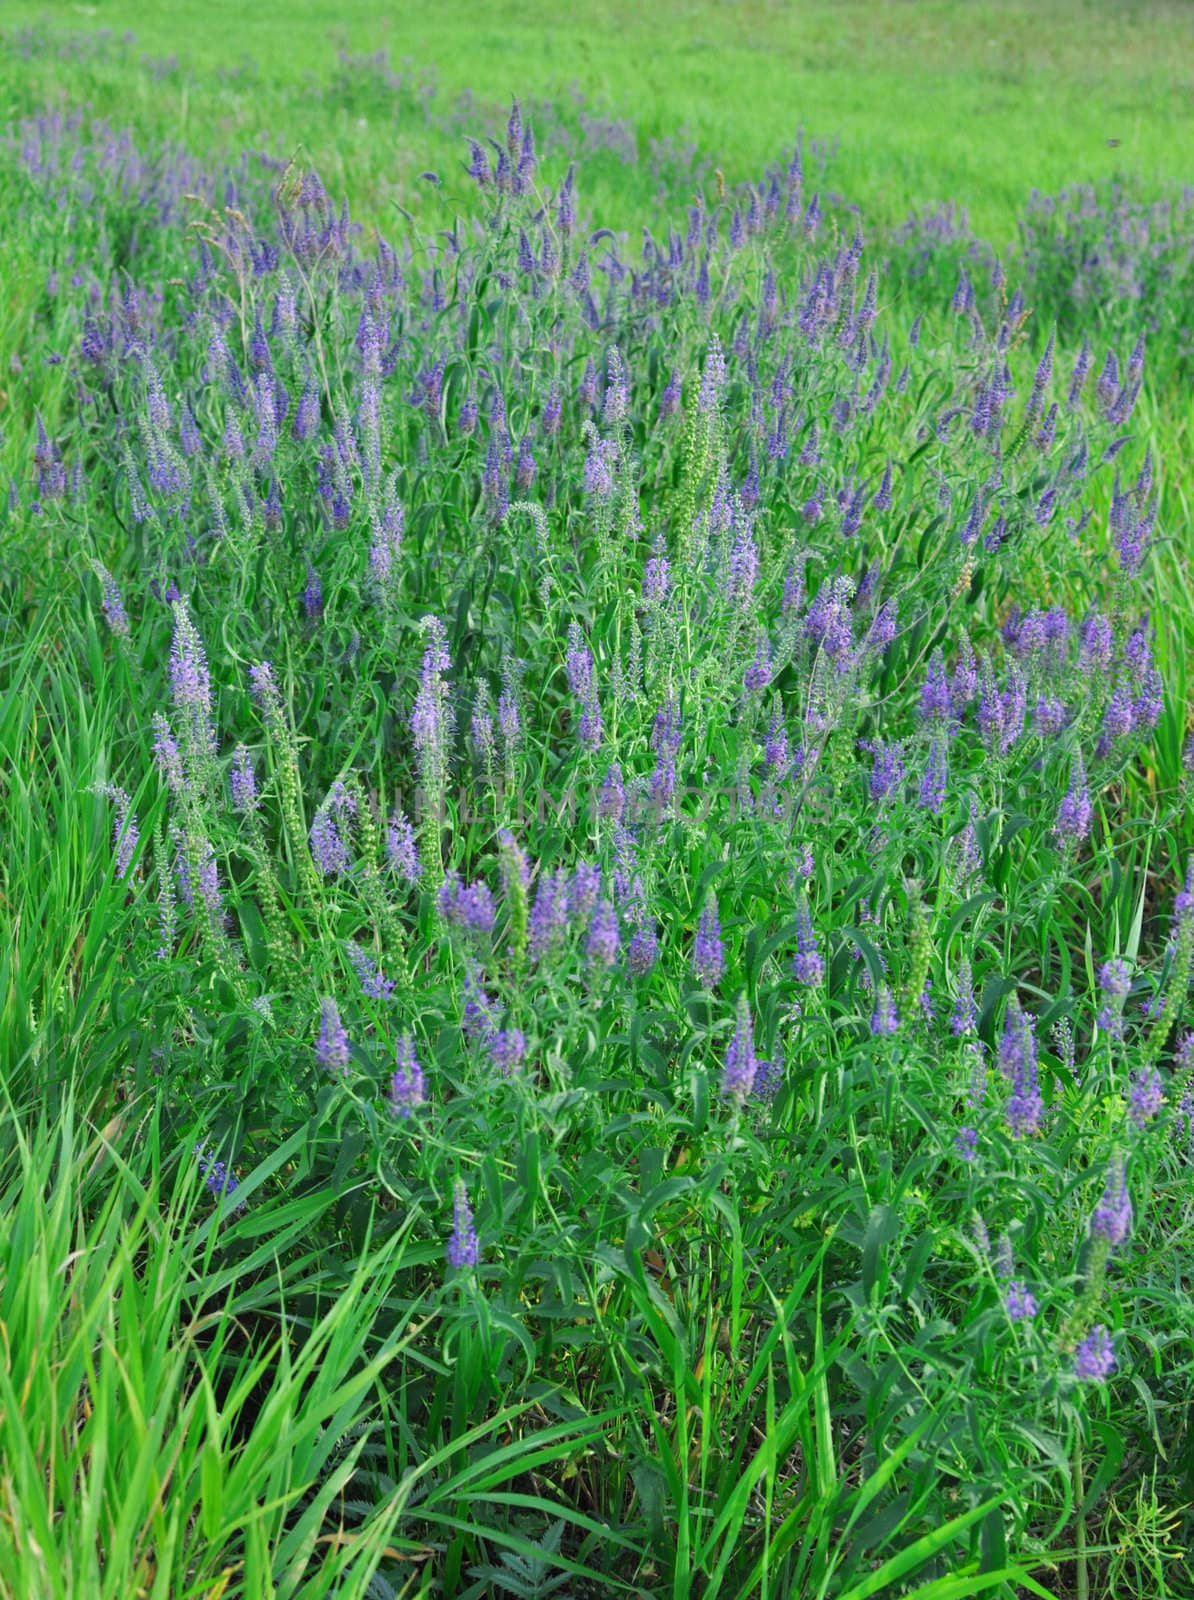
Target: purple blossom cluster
{"type": "Point", "coordinates": [407, 1085]}
{"type": "Point", "coordinates": [402, 852]}
{"type": "Point", "coordinates": [329, 837]}
{"type": "Point", "coordinates": [708, 951]}
{"type": "Point", "coordinates": [1112, 1217]}
{"type": "Point", "coordinates": [741, 1062]}
{"type": "Point", "coordinates": [785, 562]}
{"type": "Point", "coordinates": [126, 834]}
{"type": "Point", "coordinates": [217, 1176]}
{"type": "Point", "coordinates": [374, 983]}
{"type": "Point", "coordinates": [1025, 1107]}
{"type": "Point", "coordinates": [464, 1248]}
{"type": "Point", "coordinates": [468, 906]}
{"type": "Point", "coordinates": [332, 1047]}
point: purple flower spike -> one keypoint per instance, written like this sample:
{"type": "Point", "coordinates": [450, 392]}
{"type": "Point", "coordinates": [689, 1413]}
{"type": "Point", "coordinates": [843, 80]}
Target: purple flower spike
{"type": "Point", "coordinates": [549, 914]}
{"type": "Point", "coordinates": [477, 1021]}
{"type": "Point", "coordinates": [1115, 980]}
{"type": "Point", "coordinates": [313, 595]}
{"type": "Point", "coordinates": [611, 802]}
{"type": "Point", "coordinates": [113, 606]}
{"type": "Point", "coordinates": [708, 954]}
{"type": "Point", "coordinates": [331, 1051]}
{"type": "Point", "coordinates": [327, 845]}
{"type": "Point", "coordinates": [643, 950]}
{"type": "Point", "coordinates": [741, 1063]}
{"type": "Point", "coordinates": [935, 778]}
{"type": "Point", "coordinates": [887, 766]}
{"type": "Point", "coordinates": [758, 674]}
{"type": "Point", "coordinates": [808, 966]}
{"type": "Point", "coordinates": [585, 889]}
{"type": "Point", "coordinates": [1075, 812]}
{"type": "Point", "coordinates": [167, 754]}
{"type": "Point", "coordinates": [507, 1049]}
{"type": "Point", "coordinates": [1019, 1301]}
{"type": "Point", "coordinates": [407, 1087]}
{"type": "Point", "coordinates": [374, 983]}
{"type": "Point", "coordinates": [431, 718]}
{"type": "Point", "coordinates": [467, 906]}
{"type": "Point", "coordinates": [243, 782]}
{"type": "Point", "coordinates": [1146, 1096]}
{"type": "Point", "coordinates": [401, 849]}
{"type": "Point", "coordinates": [216, 1175]}
{"type": "Point", "coordinates": [125, 833]}
{"type": "Point", "coordinates": [769, 1077]}
{"type": "Point", "coordinates": [1017, 1061]}
{"type": "Point", "coordinates": [885, 1019]}
{"type": "Point", "coordinates": [1112, 1218]}
{"type": "Point", "coordinates": [463, 1247]}
{"type": "Point", "coordinates": [602, 945]}
{"type": "Point", "coordinates": [965, 1014]}
{"type": "Point", "coordinates": [1095, 1357]}
{"type": "Point", "coordinates": [191, 681]}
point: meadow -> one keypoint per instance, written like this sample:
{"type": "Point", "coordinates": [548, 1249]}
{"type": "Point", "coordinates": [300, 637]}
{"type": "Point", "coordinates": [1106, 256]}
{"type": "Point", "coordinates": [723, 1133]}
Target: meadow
{"type": "Point", "coordinates": [597, 909]}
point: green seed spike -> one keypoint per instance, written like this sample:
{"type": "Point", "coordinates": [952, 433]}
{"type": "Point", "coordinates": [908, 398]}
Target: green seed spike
{"type": "Point", "coordinates": [920, 951]}
{"type": "Point", "coordinates": [1179, 981]}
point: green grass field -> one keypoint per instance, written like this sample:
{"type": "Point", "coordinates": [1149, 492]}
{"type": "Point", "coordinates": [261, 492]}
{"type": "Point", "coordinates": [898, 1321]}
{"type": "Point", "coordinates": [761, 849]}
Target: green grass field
{"type": "Point", "coordinates": [597, 891]}
{"type": "Point", "coordinates": [958, 101]}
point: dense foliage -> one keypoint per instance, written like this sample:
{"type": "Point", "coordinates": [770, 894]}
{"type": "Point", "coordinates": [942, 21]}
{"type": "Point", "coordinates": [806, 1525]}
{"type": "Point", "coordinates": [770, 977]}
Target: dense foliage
{"type": "Point", "coordinates": [613, 846]}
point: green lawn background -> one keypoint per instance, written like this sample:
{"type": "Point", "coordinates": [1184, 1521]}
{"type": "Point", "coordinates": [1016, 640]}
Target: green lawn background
{"type": "Point", "coordinates": [976, 103]}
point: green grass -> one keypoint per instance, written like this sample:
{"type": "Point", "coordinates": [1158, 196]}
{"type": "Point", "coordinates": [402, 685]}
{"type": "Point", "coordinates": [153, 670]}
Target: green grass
{"type": "Point", "coordinates": [977, 103]}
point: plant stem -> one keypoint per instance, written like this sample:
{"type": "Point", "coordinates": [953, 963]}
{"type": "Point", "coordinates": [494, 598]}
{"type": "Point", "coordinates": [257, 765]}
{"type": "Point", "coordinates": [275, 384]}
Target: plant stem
{"type": "Point", "coordinates": [1083, 1575]}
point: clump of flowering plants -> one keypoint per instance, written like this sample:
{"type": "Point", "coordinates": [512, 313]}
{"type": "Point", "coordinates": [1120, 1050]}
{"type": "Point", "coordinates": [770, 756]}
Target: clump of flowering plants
{"type": "Point", "coordinates": [633, 745]}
